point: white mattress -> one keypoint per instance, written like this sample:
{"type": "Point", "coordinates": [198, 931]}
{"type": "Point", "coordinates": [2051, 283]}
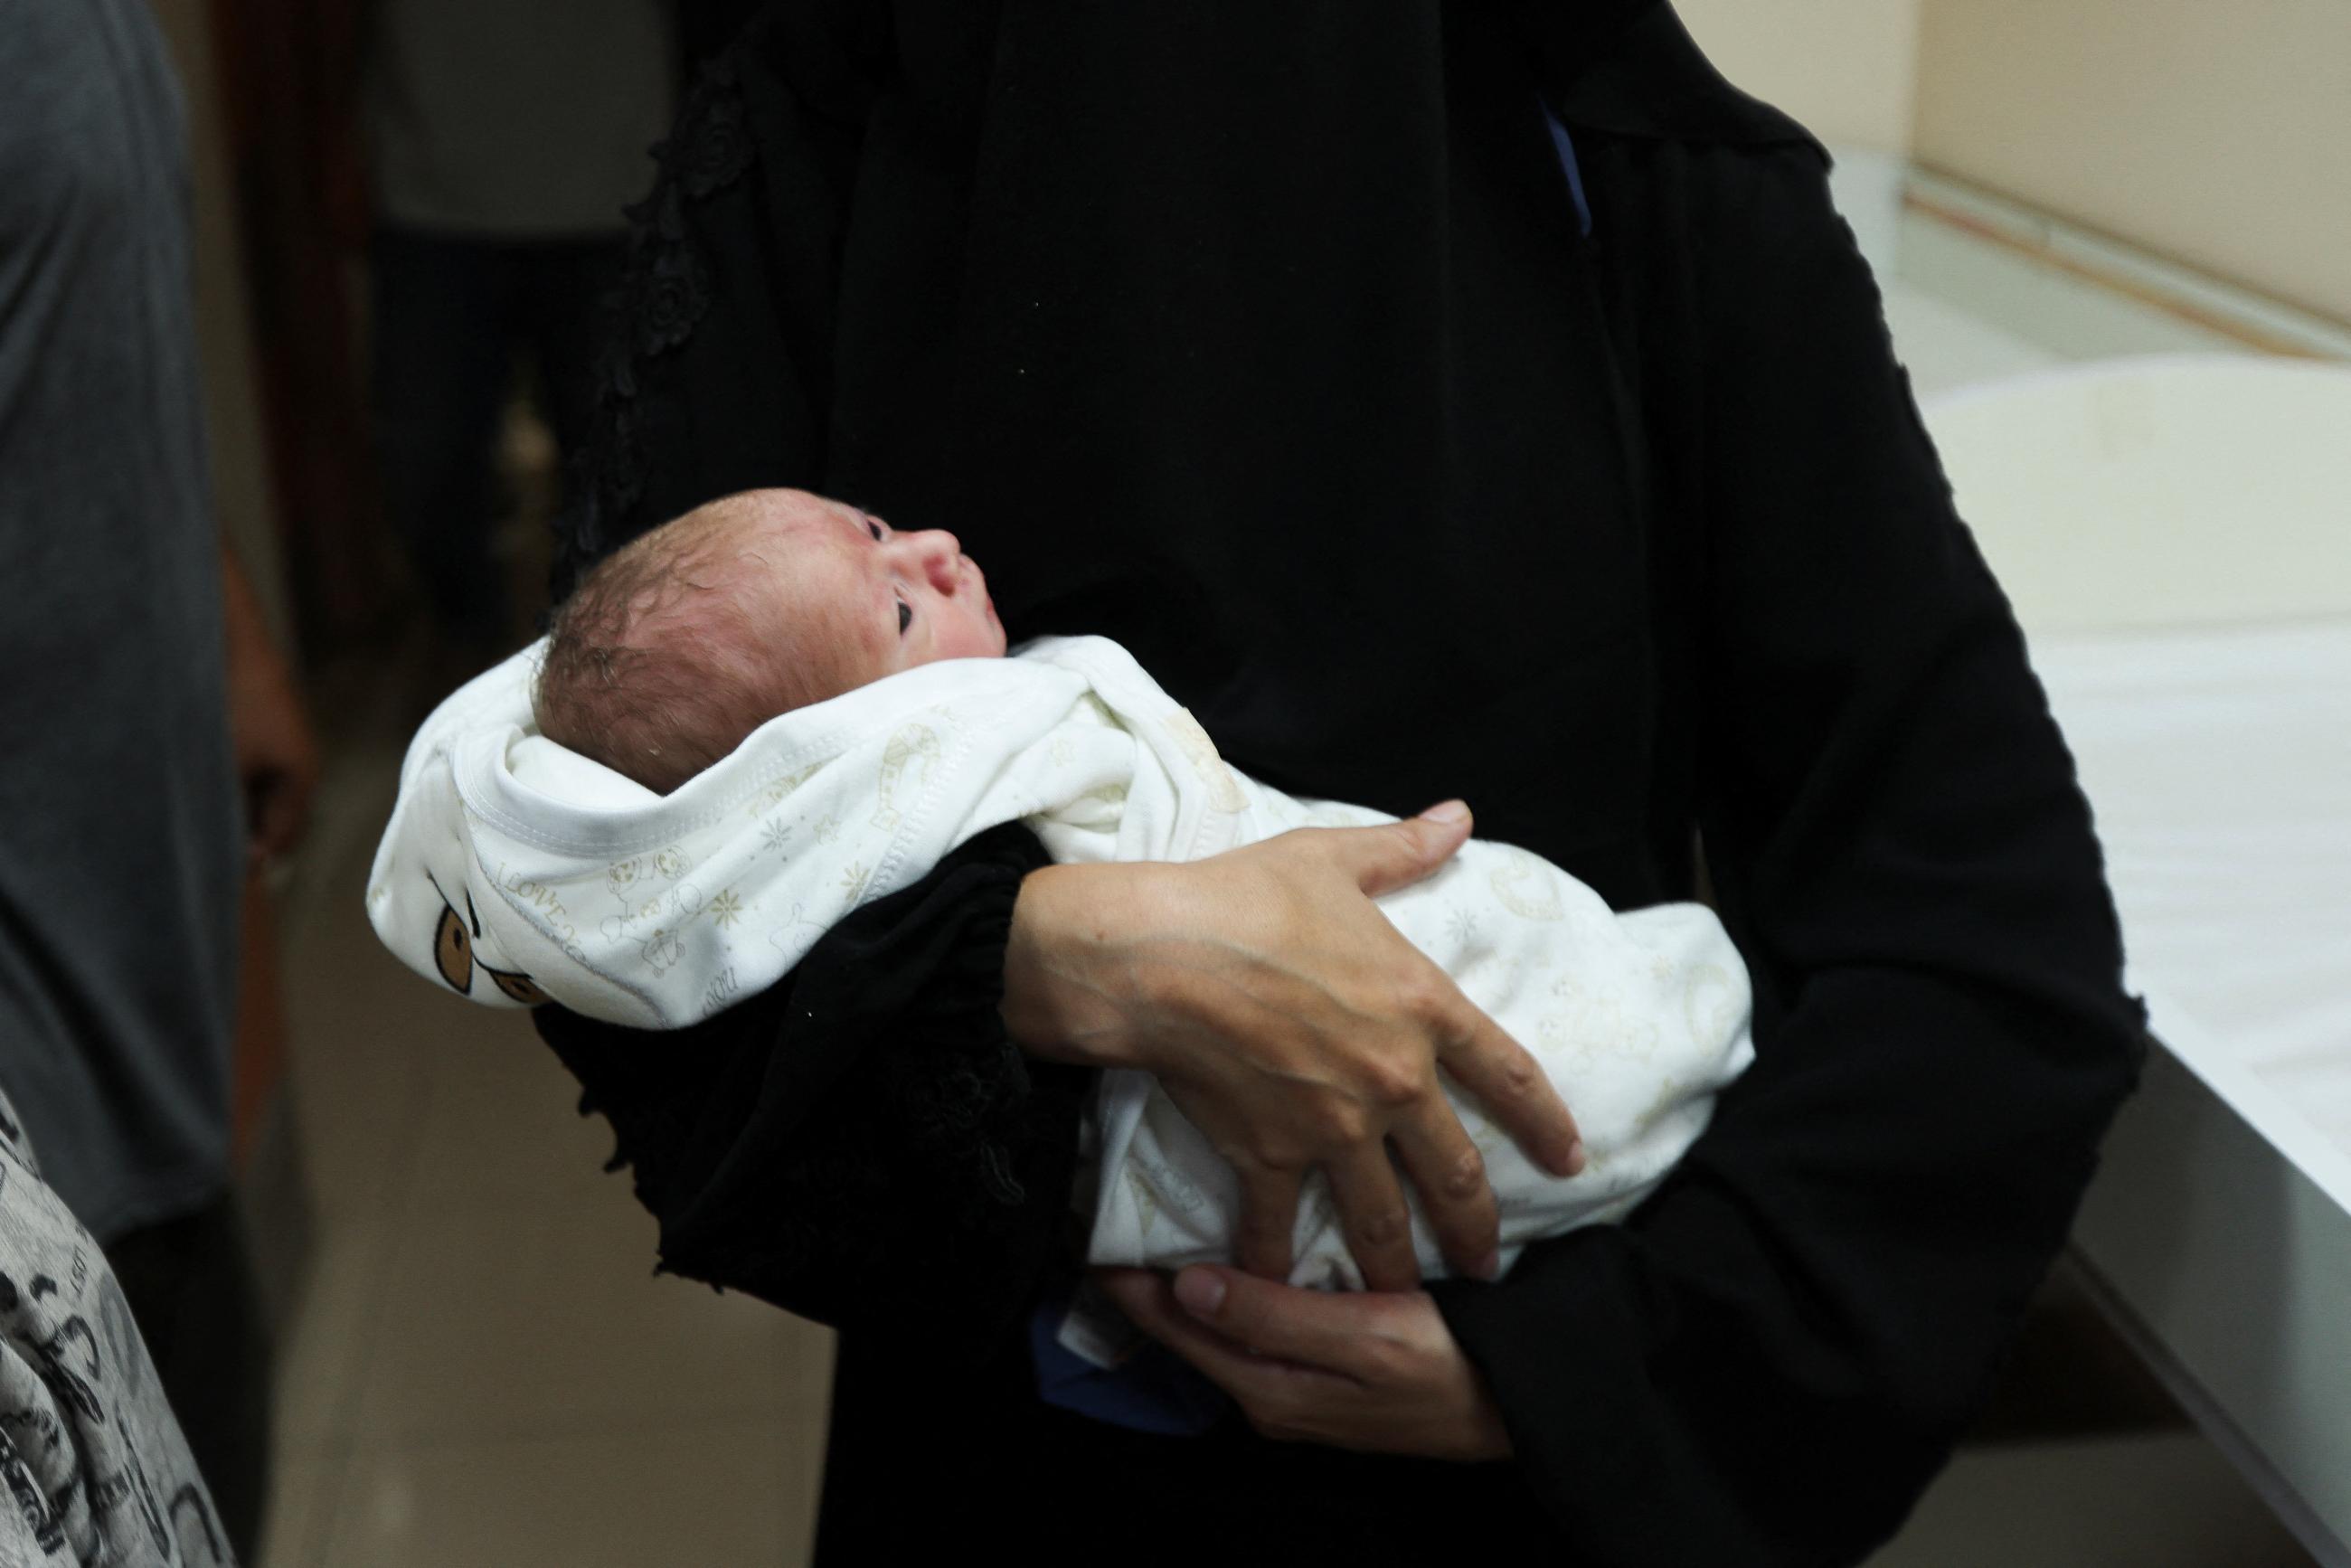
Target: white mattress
{"type": "Point", "coordinates": [2218, 761]}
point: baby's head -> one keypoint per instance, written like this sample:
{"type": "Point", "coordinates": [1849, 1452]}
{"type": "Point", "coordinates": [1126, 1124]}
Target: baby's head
{"type": "Point", "coordinates": [692, 636]}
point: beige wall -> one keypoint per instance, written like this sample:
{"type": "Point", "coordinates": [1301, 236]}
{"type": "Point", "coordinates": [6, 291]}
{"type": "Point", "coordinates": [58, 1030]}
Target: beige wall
{"type": "Point", "coordinates": [1842, 67]}
{"type": "Point", "coordinates": [2215, 131]}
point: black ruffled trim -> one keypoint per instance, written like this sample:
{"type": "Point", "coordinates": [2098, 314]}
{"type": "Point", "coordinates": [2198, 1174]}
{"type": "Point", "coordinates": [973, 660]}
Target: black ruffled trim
{"type": "Point", "coordinates": [665, 293]}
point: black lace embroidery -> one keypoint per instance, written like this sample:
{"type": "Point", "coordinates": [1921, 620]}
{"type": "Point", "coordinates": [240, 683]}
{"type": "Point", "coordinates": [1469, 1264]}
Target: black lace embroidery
{"type": "Point", "coordinates": [664, 292]}
{"type": "Point", "coordinates": [669, 293]}
{"type": "Point", "coordinates": [964, 1120]}
{"type": "Point", "coordinates": [963, 1110]}
{"type": "Point", "coordinates": [713, 142]}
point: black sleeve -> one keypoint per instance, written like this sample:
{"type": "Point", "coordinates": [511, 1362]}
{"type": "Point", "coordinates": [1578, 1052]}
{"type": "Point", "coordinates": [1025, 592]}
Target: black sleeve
{"type": "Point", "coordinates": [861, 1143]}
{"type": "Point", "coordinates": [1773, 1357]}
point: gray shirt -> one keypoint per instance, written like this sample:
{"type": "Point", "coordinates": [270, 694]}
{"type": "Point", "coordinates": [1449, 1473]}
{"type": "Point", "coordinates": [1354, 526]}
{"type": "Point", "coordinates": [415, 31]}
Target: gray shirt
{"type": "Point", "coordinates": [120, 842]}
{"type": "Point", "coordinates": [516, 118]}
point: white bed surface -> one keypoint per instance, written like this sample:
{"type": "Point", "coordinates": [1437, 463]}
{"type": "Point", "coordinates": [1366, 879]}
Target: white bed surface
{"type": "Point", "coordinates": [2218, 761]}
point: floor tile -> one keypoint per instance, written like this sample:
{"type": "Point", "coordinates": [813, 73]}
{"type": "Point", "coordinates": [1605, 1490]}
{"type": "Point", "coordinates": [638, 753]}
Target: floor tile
{"type": "Point", "coordinates": [303, 1485]}
{"type": "Point", "coordinates": [525, 1320]}
{"type": "Point", "coordinates": [1866, 188]}
{"type": "Point", "coordinates": [2161, 1501]}
{"type": "Point", "coordinates": [500, 1125]}
{"type": "Point", "coordinates": [353, 1013]}
{"type": "Point", "coordinates": [634, 1496]}
{"type": "Point", "coordinates": [323, 1352]}
{"type": "Point", "coordinates": [1987, 281]}
{"type": "Point", "coordinates": [1946, 348]}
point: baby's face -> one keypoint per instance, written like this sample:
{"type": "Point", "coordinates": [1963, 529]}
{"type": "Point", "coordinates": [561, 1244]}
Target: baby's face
{"type": "Point", "coordinates": [867, 599]}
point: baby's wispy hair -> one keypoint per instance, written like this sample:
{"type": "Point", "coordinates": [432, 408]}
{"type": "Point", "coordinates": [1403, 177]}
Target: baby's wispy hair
{"type": "Point", "coordinates": [655, 666]}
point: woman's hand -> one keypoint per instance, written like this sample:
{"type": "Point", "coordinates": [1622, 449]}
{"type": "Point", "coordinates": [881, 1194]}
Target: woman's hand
{"type": "Point", "coordinates": [1381, 1373]}
{"type": "Point", "coordinates": [1294, 1025]}
{"type": "Point", "coordinates": [276, 759]}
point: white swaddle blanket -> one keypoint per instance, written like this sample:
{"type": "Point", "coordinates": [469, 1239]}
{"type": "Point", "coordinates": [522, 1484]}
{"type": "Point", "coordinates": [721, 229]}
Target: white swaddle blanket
{"type": "Point", "coordinates": [516, 871]}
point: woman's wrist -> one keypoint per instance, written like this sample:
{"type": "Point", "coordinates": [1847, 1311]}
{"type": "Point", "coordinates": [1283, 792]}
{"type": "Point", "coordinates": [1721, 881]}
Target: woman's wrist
{"type": "Point", "coordinates": [1055, 1006]}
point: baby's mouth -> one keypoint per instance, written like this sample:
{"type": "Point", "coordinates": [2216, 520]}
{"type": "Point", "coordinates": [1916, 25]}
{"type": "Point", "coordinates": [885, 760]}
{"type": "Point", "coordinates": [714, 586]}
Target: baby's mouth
{"type": "Point", "coordinates": [979, 580]}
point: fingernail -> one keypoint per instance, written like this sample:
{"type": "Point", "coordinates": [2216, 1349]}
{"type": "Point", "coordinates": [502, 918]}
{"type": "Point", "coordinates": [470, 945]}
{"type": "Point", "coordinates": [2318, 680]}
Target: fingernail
{"type": "Point", "coordinates": [1575, 1157]}
{"type": "Point", "coordinates": [1489, 1267]}
{"type": "Point", "coordinates": [1201, 1291]}
{"type": "Point", "coordinates": [1448, 813]}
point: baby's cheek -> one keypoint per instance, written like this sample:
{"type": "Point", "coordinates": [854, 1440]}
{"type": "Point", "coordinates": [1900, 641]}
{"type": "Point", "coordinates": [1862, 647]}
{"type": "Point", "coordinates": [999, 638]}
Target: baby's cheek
{"type": "Point", "coordinates": [968, 638]}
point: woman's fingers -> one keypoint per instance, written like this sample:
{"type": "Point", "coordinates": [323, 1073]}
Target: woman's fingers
{"type": "Point", "coordinates": [1396, 854]}
{"type": "Point", "coordinates": [1268, 1217]}
{"type": "Point", "coordinates": [1282, 1399]}
{"type": "Point", "coordinates": [1473, 1047]}
{"type": "Point", "coordinates": [1381, 1373]}
{"type": "Point", "coordinates": [1326, 1329]}
{"type": "Point", "coordinates": [1374, 1218]}
{"type": "Point", "coordinates": [1511, 1086]}
{"type": "Point", "coordinates": [1450, 1175]}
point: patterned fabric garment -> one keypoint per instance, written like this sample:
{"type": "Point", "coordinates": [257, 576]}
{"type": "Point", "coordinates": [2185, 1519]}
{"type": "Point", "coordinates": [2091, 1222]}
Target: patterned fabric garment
{"type": "Point", "coordinates": [96, 1468]}
{"type": "Point", "coordinates": [514, 871]}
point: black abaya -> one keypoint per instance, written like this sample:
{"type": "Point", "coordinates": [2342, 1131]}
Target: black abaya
{"type": "Point", "coordinates": [1263, 339]}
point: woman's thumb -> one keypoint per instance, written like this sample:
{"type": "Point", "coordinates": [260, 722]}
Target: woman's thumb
{"type": "Point", "coordinates": [1404, 852]}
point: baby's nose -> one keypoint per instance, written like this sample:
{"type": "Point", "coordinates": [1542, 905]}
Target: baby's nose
{"type": "Point", "coordinates": [942, 556]}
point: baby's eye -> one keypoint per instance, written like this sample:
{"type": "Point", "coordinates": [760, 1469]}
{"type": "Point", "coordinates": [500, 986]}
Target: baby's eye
{"type": "Point", "coordinates": [874, 528]}
{"type": "Point", "coordinates": [906, 617]}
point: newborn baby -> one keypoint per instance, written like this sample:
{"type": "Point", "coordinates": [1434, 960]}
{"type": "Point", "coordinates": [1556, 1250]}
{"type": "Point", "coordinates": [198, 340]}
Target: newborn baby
{"type": "Point", "coordinates": [698, 633]}
{"type": "Point", "coordinates": [758, 716]}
